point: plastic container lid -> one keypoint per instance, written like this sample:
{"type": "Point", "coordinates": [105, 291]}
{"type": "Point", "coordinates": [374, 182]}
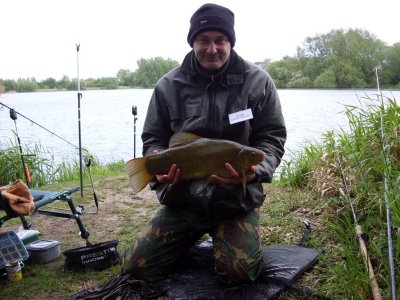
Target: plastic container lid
{"type": "Point", "coordinates": [25, 234]}
{"type": "Point", "coordinates": [11, 248]}
{"type": "Point", "coordinates": [41, 245]}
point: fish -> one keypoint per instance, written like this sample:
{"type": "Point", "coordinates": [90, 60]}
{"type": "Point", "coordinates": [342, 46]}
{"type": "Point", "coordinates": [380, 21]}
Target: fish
{"type": "Point", "coordinates": [198, 158]}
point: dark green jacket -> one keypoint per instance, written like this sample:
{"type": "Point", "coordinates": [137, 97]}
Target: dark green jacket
{"type": "Point", "coordinates": [186, 99]}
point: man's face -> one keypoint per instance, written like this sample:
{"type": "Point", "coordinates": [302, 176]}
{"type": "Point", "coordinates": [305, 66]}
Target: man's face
{"type": "Point", "coordinates": [212, 49]}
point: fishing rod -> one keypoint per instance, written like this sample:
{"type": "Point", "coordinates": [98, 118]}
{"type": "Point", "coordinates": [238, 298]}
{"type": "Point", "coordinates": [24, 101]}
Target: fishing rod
{"type": "Point", "coordinates": [360, 236]}
{"type": "Point", "coordinates": [33, 122]}
{"type": "Point", "coordinates": [13, 116]}
{"type": "Point", "coordinates": [387, 204]}
{"type": "Point", "coordinates": [79, 120]}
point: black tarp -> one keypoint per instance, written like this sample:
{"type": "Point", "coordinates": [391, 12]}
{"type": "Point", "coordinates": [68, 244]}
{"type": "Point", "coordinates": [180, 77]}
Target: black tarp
{"type": "Point", "coordinates": [194, 278]}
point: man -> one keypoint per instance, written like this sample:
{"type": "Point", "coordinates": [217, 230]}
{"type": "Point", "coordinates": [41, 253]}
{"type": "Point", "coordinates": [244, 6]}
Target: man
{"type": "Point", "coordinates": [212, 85]}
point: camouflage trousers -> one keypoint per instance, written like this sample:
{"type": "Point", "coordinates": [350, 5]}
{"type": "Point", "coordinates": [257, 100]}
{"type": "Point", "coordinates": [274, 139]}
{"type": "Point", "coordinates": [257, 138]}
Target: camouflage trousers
{"type": "Point", "coordinates": [237, 254]}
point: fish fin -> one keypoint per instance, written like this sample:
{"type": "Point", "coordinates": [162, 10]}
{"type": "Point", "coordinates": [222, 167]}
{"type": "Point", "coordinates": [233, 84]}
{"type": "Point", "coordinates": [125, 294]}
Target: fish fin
{"type": "Point", "coordinates": [244, 181]}
{"type": "Point", "coordinates": [182, 138]}
{"type": "Point", "coordinates": [139, 177]}
{"type": "Point", "coordinates": [198, 186]}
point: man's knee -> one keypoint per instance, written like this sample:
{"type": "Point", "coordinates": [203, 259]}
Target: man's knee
{"type": "Point", "coordinates": [238, 270]}
{"type": "Point", "coordinates": [133, 262]}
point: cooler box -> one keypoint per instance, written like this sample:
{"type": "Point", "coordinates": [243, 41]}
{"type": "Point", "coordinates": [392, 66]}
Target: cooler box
{"type": "Point", "coordinates": [28, 236]}
{"type": "Point", "coordinates": [43, 251]}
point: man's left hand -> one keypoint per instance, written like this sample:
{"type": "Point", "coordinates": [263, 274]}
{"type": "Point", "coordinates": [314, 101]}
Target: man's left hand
{"type": "Point", "coordinates": [236, 177]}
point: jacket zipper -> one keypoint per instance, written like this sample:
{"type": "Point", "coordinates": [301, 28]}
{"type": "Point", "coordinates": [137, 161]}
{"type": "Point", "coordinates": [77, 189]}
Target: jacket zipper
{"type": "Point", "coordinates": [211, 105]}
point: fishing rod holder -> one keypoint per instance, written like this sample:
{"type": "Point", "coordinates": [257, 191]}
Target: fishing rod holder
{"type": "Point", "coordinates": [13, 114]}
{"type": "Point", "coordinates": [134, 113]}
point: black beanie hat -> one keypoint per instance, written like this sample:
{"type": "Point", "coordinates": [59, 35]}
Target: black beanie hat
{"type": "Point", "coordinates": [212, 17]}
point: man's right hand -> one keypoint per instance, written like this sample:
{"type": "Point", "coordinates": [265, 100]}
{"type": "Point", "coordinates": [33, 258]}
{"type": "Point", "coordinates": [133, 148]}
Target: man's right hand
{"type": "Point", "coordinates": [173, 176]}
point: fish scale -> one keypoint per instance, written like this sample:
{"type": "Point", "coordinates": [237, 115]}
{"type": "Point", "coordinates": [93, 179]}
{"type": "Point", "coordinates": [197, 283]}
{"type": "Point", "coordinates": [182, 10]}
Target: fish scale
{"type": "Point", "coordinates": [198, 158]}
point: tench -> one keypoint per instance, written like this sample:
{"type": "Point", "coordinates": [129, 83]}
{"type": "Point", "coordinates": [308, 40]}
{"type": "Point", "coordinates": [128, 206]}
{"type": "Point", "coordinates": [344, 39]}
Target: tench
{"type": "Point", "coordinates": [197, 157]}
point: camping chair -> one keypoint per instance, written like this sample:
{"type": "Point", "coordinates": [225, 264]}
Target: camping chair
{"type": "Point", "coordinates": [41, 199]}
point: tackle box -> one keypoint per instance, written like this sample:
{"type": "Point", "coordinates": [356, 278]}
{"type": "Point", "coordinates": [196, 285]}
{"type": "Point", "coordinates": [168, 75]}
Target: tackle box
{"type": "Point", "coordinates": [43, 251]}
{"type": "Point", "coordinates": [11, 248]}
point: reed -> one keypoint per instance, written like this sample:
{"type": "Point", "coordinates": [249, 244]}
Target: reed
{"type": "Point", "coordinates": [43, 167]}
{"type": "Point", "coordinates": [294, 171]}
{"type": "Point", "coordinates": [370, 158]}
{"type": "Point", "coordinates": [11, 167]}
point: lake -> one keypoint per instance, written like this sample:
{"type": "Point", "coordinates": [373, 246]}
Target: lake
{"type": "Point", "coordinates": [108, 126]}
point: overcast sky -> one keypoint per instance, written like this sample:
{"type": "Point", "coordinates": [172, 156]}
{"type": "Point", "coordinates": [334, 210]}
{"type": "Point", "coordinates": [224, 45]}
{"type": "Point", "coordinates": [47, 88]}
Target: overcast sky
{"type": "Point", "coordinates": [39, 37]}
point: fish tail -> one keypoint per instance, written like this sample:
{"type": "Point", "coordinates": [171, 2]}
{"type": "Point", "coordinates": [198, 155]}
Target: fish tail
{"type": "Point", "coordinates": [138, 174]}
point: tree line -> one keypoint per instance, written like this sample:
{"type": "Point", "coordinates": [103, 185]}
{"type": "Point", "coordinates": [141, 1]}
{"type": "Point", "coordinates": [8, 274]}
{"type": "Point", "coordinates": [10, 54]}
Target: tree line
{"type": "Point", "coordinates": [338, 59]}
{"type": "Point", "coordinates": [145, 76]}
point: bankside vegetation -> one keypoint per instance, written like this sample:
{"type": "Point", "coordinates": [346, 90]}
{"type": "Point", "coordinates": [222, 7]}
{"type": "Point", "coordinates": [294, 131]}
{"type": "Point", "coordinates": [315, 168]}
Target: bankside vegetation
{"type": "Point", "coordinates": [338, 59]}
{"type": "Point", "coordinates": [309, 187]}
{"type": "Point", "coordinates": [369, 153]}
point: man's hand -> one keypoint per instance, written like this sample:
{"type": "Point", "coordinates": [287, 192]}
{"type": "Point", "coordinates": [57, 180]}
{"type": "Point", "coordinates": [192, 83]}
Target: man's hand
{"type": "Point", "coordinates": [173, 176]}
{"type": "Point", "coordinates": [236, 177]}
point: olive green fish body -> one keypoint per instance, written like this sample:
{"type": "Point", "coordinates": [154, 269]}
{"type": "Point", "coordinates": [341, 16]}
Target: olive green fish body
{"type": "Point", "coordinates": [197, 159]}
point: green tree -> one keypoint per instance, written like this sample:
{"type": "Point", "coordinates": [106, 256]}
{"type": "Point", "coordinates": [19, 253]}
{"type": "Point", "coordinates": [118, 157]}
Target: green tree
{"type": "Point", "coordinates": [282, 71]}
{"type": "Point", "coordinates": [390, 74]}
{"type": "Point", "coordinates": [9, 85]}
{"type": "Point", "coordinates": [311, 67]}
{"type": "Point", "coordinates": [49, 83]}
{"type": "Point", "coordinates": [90, 83]}
{"type": "Point", "coordinates": [73, 85]}
{"type": "Point", "coordinates": [124, 77]}
{"type": "Point", "coordinates": [299, 81]}
{"type": "Point", "coordinates": [27, 85]}
{"type": "Point", "coordinates": [351, 54]}
{"type": "Point", "coordinates": [365, 52]}
{"type": "Point", "coordinates": [315, 47]}
{"type": "Point", "coordinates": [108, 83]}
{"type": "Point", "coordinates": [347, 74]}
{"type": "Point", "coordinates": [151, 70]}
{"type": "Point", "coordinates": [63, 82]}
{"type": "Point", "coordinates": [326, 80]}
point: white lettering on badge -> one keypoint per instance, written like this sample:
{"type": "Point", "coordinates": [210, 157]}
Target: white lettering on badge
{"type": "Point", "coordinates": [240, 116]}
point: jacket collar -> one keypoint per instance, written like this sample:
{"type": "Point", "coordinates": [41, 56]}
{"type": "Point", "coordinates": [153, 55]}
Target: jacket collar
{"type": "Point", "coordinates": [232, 74]}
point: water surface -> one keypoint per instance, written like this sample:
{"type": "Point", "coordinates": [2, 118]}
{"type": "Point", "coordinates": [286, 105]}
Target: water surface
{"type": "Point", "coordinates": [108, 126]}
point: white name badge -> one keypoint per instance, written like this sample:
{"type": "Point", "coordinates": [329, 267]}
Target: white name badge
{"type": "Point", "coordinates": [240, 116]}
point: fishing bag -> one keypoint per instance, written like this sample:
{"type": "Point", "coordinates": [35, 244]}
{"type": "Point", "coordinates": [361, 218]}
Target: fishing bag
{"type": "Point", "coordinates": [92, 257]}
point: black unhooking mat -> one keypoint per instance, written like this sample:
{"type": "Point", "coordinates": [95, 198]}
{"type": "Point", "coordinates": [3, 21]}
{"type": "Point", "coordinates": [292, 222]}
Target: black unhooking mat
{"type": "Point", "coordinates": [194, 278]}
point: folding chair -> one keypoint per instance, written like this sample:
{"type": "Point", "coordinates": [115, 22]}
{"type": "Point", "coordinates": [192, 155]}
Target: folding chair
{"type": "Point", "coordinates": [43, 198]}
